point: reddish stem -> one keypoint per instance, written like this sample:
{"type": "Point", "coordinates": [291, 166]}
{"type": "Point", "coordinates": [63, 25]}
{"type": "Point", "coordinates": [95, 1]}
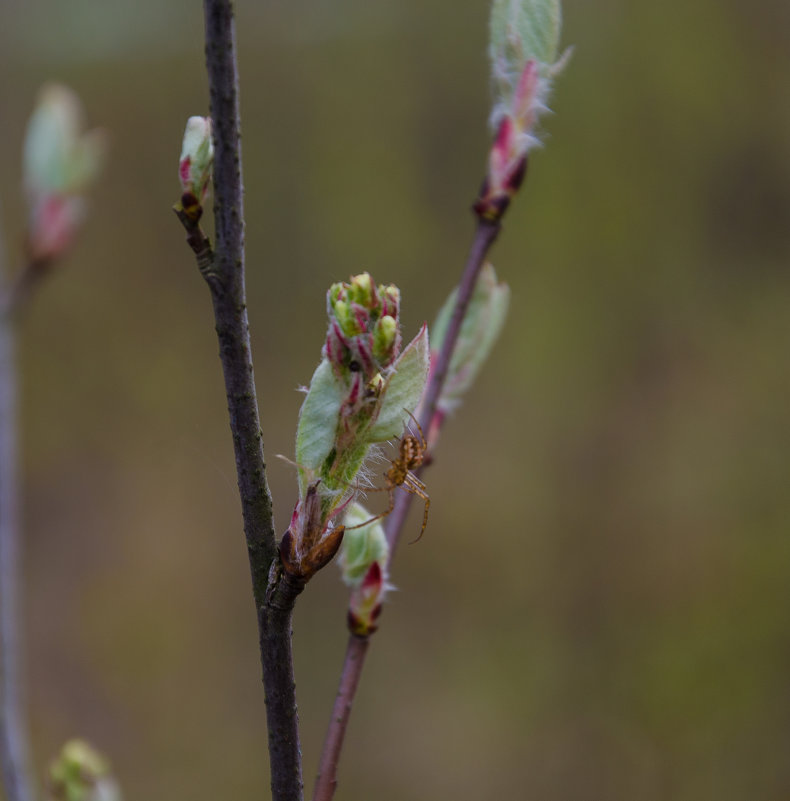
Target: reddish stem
{"type": "Point", "coordinates": [485, 235]}
{"type": "Point", "coordinates": [326, 782]}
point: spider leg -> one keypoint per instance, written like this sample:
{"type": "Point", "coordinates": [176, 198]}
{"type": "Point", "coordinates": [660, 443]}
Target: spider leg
{"type": "Point", "coordinates": [416, 487]}
{"type": "Point", "coordinates": [379, 516]}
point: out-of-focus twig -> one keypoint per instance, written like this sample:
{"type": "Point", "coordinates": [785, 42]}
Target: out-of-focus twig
{"type": "Point", "coordinates": [14, 742]}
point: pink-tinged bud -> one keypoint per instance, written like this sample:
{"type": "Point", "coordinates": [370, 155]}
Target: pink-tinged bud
{"type": "Point", "coordinates": [390, 300]}
{"type": "Point", "coordinates": [194, 166]}
{"type": "Point", "coordinates": [364, 335]}
{"type": "Point", "coordinates": [60, 163]}
{"type": "Point", "coordinates": [507, 160]}
{"type": "Point", "coordinates": [365, 604]}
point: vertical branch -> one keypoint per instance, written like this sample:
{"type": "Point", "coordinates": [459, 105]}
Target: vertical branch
{"type": "Point", "coordinates": [228, 292]}
{"type": "Point", "coordinates": [273, 592]}
{"type": "Point", "coordinates": [13, 731]}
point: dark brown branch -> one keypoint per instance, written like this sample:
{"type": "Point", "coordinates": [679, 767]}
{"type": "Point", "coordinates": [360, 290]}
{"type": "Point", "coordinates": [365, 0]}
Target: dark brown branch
{"type": "Point", "coordinates": [228, 295]}
{"type": "Point", "coordinates": [274, 624]}
{"type": "Point", "coordinates": [223, 269]}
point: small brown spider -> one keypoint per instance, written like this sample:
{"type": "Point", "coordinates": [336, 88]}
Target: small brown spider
{"type": "Point", "coordinates": [411, 453]}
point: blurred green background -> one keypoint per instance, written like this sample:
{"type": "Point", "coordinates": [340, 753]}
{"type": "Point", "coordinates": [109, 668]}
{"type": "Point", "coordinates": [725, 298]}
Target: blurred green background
{"type": "Point", "coordinates": [600, 607]}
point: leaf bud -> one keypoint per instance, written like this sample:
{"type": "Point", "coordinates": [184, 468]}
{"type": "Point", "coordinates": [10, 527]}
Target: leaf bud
{"type": "Point", "coordinates": [386, 340]}
{"type": "Point", "coordinates": [523, 50]}
{"type": "Point", "coordinates": [364, 606]}
{"type": "Point", "coordinates": [60, 162]}
{"type": "Point", "coordinates": [195, 164]}
{"type": "Point", "coordinates": [80, 773]}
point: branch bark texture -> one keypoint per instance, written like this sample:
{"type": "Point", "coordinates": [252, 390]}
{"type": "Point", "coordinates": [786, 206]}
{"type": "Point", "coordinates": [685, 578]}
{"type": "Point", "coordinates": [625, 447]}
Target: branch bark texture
{"type": "Point", "coordinates": [274, 593]}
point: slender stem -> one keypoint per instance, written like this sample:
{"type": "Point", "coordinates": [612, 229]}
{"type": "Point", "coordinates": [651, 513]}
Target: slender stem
{"type": "Point", "coordinates": [325, 784]}
{"type": "Point", "coordinates": [223, 269]}
{"type": "Point", "coordinates": [485, 234]}
{"type": "Point", "coordinates": [229, 299]}
{"type": "Point", "coordinates": [14, 741]}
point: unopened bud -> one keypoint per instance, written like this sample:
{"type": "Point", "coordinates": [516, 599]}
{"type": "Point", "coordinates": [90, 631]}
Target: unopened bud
{"type": "Point", "coordinates": [60, 162]}
{"type": "Point", "coordinates": [390, 300]}
{"type": "Point", "coordinates": [364, 605]}
{"type": "Point", "coordinates": [362, 290]}
{"type": "Point", "coordinates": [386, 340]}
{"type": "Point", "coordinates": [345, 318]}
{"type": "Point", "coordinates": [80, 773]}
{"type": "Point", "coordinates": [523, 49]}
{"type": "Point", "coordinates": [194, 166]}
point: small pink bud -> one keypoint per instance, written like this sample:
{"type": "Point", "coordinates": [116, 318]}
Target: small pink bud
{"type": "Point", "coordinates": [365, 604]}
{"type": "Point", "coordinates": [507, 160]}
{"type": "Point", "coordinates": [194, 166]}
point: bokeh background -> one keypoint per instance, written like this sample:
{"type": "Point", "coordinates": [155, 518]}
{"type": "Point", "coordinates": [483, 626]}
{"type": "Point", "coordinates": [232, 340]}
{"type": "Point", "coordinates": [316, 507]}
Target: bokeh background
{"type": "Point", "coordinates": [600, 607]}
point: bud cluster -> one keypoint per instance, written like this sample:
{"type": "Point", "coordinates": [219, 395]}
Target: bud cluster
{"type": "Point", "coordinates": [361, 394]}
{"type": "Point", "coordinates": [363, 338]}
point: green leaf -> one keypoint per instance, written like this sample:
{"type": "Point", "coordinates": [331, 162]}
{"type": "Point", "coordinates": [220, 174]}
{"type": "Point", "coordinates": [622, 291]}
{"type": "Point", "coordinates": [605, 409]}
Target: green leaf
{"type": "Point", "coordinates": [403, 390]}
{"type": "Point", "coordinates": [480, 329]}
{"type": "Point", "coordinates": [526, 29]}
{"type": "Point", "coordinates": [318, 420]}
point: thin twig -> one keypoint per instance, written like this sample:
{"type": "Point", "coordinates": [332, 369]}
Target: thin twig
{"type": "Point", "coordinates": [325, 784]}
{"type": "Point", "coordinates": [485, 234]}
{"type": "Point", "coordinates": [14, 741]}
{"type": "Point", "coordinates": [274, 593]}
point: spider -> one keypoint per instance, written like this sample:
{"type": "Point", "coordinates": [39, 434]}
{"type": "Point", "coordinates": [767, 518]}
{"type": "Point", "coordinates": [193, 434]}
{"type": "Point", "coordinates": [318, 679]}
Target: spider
{"type": "Point", "coordinates": [411, 454]}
